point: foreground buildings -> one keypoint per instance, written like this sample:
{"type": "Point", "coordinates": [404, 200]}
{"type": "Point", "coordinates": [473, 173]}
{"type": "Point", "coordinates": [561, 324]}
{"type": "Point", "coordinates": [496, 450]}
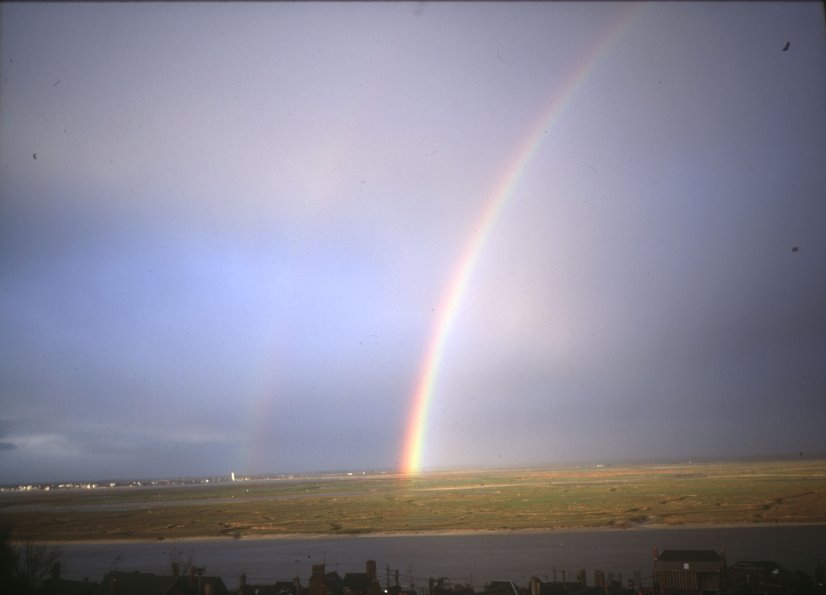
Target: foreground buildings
{"type": "Point", "coordinates": [674, 572]}
{"type": "Point", "coordinates": [689, 571]}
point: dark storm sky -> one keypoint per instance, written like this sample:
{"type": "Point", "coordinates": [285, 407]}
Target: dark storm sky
{"type": "Point", "coordinates": [226, 231]}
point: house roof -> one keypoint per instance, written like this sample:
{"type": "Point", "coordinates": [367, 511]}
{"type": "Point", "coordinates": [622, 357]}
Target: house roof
{"type": "Point", "coordinates": [689, 556]}
{"type": "Point", "coordinates": [144, 583]}
{"type": "Point", "coordinates": [189, 584]}
{"type": "Point", "coordinates": [501, 588]}
{"type": "Point", "coordinates": [258, 590]}
{"type": "Point", "coordinates": [765, 565]}
{"type": "Point", "coordinates": [356, 580]}
{"type": "Point", "coordinates": [278, 588]}
{"type": "Point", "coordinates": [287, 587]}
{"type": "Point", "coordinates": [135, 583]}
{"type": "Point", "coordinates": [61, 586]}
{"type": "Point", "coordinates": [333, 581]}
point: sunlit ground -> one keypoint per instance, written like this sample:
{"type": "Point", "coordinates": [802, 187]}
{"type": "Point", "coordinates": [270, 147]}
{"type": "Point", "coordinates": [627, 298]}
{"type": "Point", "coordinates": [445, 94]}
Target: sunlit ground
{"type": "Point", "coordinates": [510, 500]}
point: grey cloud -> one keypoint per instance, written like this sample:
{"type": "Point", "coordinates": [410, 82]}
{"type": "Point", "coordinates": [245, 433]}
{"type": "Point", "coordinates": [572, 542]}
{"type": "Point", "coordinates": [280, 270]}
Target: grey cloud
{"type": "Point", "coordinates": [244, 248]}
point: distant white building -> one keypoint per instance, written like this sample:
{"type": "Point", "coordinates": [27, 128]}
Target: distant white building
{"type": "Point", "coordinates": [232, 475]}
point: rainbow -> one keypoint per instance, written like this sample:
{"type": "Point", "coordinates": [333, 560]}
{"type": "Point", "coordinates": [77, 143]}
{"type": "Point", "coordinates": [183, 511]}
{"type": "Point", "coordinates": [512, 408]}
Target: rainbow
{"type": "Point", "coordinates": [413, 447]}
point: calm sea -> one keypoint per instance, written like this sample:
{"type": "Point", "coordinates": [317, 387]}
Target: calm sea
{"type": "Point", "coordinates": [466, 559]}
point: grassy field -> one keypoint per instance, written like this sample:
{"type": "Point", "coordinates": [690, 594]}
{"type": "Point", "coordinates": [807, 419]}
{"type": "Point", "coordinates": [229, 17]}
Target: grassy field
{"type": "Point", "coordinates": [523, 499]}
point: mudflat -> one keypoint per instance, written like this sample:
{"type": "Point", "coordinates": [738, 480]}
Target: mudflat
{"type": "Point", "coordinates": [623, 497]}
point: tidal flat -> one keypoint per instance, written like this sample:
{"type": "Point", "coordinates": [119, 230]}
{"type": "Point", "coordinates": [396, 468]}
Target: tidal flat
{"type": "Point", "coordinates": [515, 500]}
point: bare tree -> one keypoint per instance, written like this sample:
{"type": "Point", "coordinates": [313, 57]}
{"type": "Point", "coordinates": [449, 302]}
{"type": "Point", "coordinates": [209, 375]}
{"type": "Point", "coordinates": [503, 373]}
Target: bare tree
{"type": "Point", "coordinates": [27, 564]}
{"type": "Point", "coordinates": [8, 562]}
{"type": "Point", "coordinates": [35, 563]}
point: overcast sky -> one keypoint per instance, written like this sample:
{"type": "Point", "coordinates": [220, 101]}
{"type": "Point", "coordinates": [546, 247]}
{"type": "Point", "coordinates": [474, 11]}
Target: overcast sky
{"type": "Point", "coordinates": [226, 231]}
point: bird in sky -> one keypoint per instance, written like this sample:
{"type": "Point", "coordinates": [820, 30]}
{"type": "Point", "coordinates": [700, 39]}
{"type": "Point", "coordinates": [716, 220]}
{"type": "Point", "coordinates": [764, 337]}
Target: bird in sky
{"type": "Point", "coordinates": [786, 47]}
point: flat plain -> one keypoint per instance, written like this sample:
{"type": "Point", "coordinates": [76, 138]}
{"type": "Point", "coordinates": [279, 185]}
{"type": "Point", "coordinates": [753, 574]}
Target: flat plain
{"type": "Point", "coordinates": [622, 497]}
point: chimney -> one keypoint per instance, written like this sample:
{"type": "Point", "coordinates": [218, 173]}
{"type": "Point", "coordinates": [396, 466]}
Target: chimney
{"type": "Point", "coordinates": [242, 582]}
{"type": "Point", "coordinates": [373, 586]}
{"type": "Point", "coordinates": [317, 583]}
{"type": "Point", "coordinates": [656, 554]}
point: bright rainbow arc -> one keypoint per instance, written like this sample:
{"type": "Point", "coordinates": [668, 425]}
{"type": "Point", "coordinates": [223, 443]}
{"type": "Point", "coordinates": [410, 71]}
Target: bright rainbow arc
{"type": "Point", "coordinates": [413, 447]}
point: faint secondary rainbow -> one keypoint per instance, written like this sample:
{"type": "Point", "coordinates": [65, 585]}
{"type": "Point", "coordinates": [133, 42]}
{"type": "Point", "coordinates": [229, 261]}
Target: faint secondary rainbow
{"type": "Point", "coordinates": [451, 299]}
